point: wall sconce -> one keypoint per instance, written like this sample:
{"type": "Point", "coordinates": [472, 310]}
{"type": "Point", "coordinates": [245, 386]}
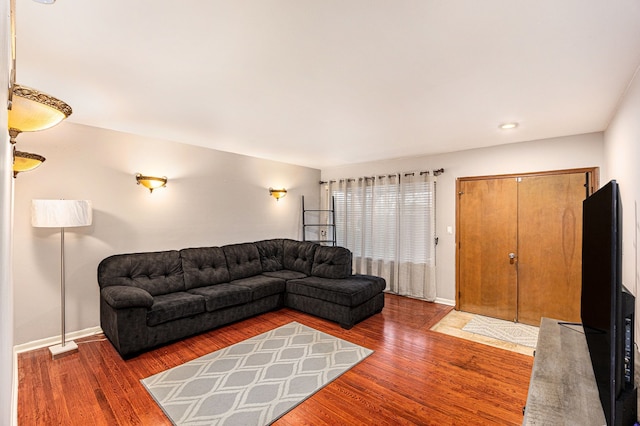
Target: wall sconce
{"type": "Point", "coordinates": [32, 111]}
{"type": "Point", "coordinates": [277, 193]}
{"type": "Point", "coordinates": [29, 110]}
{"type": "Point", "coordinates": [151, 182]}
{"type": "Point", "coordinates": [25, 161]}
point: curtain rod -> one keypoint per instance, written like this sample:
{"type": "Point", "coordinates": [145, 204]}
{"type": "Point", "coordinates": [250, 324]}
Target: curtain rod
{"type": "Point", "coordinates": [437, 172]}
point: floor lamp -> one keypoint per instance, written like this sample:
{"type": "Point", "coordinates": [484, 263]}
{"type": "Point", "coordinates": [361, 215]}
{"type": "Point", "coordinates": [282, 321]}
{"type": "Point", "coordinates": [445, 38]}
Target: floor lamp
{"type": "Point", "coordinates": [61, 214]}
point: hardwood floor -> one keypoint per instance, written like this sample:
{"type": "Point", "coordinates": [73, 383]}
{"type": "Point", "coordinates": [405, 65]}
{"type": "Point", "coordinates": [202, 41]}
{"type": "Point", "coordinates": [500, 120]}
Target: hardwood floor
{"type": "Point", "coordinates": [415, 376]}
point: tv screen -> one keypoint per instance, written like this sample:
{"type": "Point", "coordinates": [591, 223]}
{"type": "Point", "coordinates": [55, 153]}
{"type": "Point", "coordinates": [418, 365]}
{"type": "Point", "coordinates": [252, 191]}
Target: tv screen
{"type": "Point", "coordinates": [607, 308]}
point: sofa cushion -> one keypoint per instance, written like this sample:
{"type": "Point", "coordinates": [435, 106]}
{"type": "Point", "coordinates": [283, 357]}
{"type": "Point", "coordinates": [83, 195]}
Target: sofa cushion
{"type": "Point", "coordinates": [156, 272]}
{"type": "Point", "coordinates": [351, 291]}
{"type": "Point", "coordinates": [261, 285]}
{"type": "Point", "coordinates": [298, 255]}
{"type": "Point", "coordinates": [220, 296]}
{"type": "Point", "coordinates": [331, 262]}
{"type": "Point", "coordinates": [285, 274]}
{"type": "Point", "coordinates": [271, 254]}
{"type": "Point", "coordinates": [204, 266]}
{"type": "Point", "coordinates": [173, 306]}
{"type": "Point", "coordinates": [243, 260]}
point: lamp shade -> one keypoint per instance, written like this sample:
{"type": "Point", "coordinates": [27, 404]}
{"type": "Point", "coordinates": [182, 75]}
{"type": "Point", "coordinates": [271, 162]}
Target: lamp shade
{"type": "Point", "coordinates": [60, 213]}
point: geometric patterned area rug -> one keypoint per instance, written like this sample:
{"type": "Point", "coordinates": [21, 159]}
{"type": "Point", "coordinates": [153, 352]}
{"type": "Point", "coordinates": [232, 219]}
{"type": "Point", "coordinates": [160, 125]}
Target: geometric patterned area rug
{"type": "Point", "coordinates": [256, 381]}
{"type": "Point", "coordinates": [521, 334]}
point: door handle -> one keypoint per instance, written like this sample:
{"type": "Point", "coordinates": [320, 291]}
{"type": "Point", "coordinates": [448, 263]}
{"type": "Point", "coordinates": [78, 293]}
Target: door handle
{"type": "Point", "coordinates": [512, 258]}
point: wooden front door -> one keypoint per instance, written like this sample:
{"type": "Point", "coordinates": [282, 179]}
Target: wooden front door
{"type": "Point", "coordinates": [520, 243]}
{"type": "Point", "coordinates": [488, 233]}
{"type": "Point", "coordinates": [550, 247]}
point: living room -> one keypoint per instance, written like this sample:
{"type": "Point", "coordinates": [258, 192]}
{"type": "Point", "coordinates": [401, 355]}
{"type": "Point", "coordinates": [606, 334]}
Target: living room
{"type": "Point", "coordinates": [214, 197]}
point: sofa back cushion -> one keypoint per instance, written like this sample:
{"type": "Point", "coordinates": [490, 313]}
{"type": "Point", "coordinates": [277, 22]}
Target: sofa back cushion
{"type": "Point", "coordinates": [271, 254]}
{"type": "Point", "coordinates": [298, 255]}
{"type": "Point", "coordinates": [204, 266]}
{"type": "Point", "coordinates": [331, 262]}
{"type": "Point", "coordinates": [243, 260]}
{"type": "Point", "coordinates": [156, 272]}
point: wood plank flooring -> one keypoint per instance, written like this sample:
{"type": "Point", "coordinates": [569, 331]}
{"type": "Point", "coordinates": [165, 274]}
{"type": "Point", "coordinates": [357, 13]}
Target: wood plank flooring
{"type": "Point", "coordinates": [415, 376]}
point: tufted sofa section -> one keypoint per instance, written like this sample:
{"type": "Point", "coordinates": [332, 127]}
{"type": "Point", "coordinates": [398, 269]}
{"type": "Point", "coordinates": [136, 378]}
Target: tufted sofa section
{"type": "Point", "coordinates": [149, 299]}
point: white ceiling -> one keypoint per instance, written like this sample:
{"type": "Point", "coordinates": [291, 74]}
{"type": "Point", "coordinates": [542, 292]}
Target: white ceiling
{"type": "Point", "coordinates": [322, 83]}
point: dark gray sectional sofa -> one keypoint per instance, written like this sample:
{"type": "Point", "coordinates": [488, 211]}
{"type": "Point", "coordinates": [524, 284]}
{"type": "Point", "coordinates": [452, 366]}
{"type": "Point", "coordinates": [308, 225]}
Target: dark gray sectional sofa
{"type": "Point", "coordinates": [149, 299]}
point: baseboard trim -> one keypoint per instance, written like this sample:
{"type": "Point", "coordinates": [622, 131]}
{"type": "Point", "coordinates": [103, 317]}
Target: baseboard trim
{"type": "Point", "coordinates": [50, 341]}
{"type": "Point", "coordinates": [445, 301]}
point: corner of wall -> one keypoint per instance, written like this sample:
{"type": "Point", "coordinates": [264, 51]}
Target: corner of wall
{"type": "Point", "coordinates": [8, 377]}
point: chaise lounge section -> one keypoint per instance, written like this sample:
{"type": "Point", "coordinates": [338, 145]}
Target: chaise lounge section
{"type": "Point", "coordinates": [150, 299]}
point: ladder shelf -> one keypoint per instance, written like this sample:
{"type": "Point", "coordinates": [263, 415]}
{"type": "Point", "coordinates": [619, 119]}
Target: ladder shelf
{"type": "Point", "coordinates": [326, 236]}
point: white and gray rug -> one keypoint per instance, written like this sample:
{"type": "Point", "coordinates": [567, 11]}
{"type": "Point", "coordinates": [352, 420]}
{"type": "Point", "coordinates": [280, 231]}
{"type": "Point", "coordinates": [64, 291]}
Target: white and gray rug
{"type": "Point", "coordinates": [256, 381]}
{"type": "Point", "coordinates": [521, 334]}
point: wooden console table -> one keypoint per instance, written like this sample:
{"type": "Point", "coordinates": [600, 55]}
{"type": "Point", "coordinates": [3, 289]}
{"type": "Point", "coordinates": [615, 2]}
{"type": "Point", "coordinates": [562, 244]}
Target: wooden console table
{"type": "Point", "coordinates": [563, 389]}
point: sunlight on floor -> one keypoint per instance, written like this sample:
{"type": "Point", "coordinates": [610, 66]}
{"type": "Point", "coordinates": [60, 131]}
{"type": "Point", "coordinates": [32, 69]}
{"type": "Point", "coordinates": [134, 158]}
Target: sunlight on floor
{"type": "Point", "coordinates": [453, 323]}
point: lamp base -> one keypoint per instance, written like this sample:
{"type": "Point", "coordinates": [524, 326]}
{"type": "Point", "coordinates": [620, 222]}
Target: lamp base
{"type": "Point", "coordinates": [58, 351]}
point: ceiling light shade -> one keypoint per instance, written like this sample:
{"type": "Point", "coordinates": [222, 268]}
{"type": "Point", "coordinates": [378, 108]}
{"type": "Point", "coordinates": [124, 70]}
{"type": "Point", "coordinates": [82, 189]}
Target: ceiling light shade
{"type": "Point", "coordinates": [277, 193]}
{"type": "Point", "coordinates": [32, 110]}
{"type": "Point", "coordinates": [151, 182]}
{"type": "Point", "coordinates": [25, 161]}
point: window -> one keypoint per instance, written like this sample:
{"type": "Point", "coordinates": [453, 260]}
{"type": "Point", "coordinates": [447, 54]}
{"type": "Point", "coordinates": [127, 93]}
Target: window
{"type": "Point", "coordinates": [388, 223]}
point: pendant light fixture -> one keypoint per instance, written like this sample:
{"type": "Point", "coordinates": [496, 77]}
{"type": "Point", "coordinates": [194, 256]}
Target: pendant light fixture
{"type": "Point", "coordinates": [29, 109]}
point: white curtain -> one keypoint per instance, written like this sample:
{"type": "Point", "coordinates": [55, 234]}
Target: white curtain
{"type": "Point", "coordinates": [388, 222]}
{"type": "Point", "coordinates": [417, 273]}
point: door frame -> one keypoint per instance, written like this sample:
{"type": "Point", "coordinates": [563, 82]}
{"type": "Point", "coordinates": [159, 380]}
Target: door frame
{"type": "Point", "coordinates": [594, 184]}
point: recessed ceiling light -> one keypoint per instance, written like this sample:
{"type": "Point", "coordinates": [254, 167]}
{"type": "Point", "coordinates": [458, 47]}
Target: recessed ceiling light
{"type": "Point", "coordinates": [45, 1]}
{"type": "Point", "coordinates": [507, 126]}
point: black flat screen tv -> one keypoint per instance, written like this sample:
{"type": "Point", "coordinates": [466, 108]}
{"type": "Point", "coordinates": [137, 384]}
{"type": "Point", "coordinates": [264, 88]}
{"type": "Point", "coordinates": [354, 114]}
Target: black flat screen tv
{"type": "Point", "coordinates": [607, 307]}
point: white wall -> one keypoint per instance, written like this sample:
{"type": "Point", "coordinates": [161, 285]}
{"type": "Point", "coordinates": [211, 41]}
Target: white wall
{"type": "Point", "coordinates": [622, 153]}
{"type": "Point", "coordinates": [7, 416]}
{"type": "Point", "coordinates": [542, 155]}
{"type": "Point", "coordinates": [212, 198]}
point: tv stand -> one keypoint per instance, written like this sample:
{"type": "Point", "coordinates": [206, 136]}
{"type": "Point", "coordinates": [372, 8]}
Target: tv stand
{"type": "Point", "coordinates": [563, 389]}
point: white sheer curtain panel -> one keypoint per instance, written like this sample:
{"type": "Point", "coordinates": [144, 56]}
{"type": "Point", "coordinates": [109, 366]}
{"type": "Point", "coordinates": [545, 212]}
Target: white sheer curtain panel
{"type": "Point", "coordinates": [366, 223]}
{"type": "Point", "coordinates": [417, 269]}
{"type": "Point", "coordinates": [383, 235]}
{"type": "Point", "coordinates": [388, 223]}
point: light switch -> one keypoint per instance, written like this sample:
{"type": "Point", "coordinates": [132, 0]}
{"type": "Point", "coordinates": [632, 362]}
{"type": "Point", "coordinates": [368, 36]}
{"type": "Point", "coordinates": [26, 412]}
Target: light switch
{"type": "Point", "coordinates": [449, 230]}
